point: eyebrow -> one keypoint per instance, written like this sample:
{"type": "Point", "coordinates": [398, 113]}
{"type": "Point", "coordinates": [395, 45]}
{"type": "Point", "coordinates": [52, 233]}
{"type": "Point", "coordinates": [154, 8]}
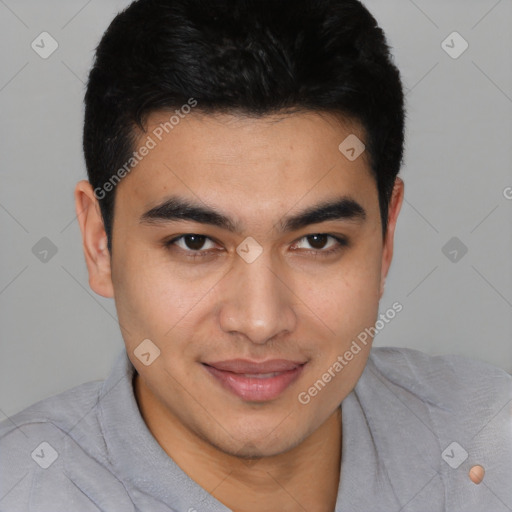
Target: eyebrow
{"type": "Point", "coordinates": [176, 208]}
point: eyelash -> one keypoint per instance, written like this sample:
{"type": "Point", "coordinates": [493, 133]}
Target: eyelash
{"type": "Point", "coordinates": [342, 243]}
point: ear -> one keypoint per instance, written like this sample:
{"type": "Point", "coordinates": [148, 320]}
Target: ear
{"type": "Point", "coordinates": [94, 239]}
{"type": "Point", "coordinates": [395, 204]}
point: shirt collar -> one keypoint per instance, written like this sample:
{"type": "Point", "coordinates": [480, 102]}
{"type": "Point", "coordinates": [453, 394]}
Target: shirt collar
{"type": "Point", "coordinates": [370, 438]}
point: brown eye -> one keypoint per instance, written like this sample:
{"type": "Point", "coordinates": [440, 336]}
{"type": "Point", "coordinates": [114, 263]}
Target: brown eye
{"type": "Point", "coordinates": [191, 243]}
{"type": "Point", "coordinates": [320, 244]}
{"type": "Point", "coordinates": [194, 242]}
{"type": "Point", "coordinates": [317, 241]}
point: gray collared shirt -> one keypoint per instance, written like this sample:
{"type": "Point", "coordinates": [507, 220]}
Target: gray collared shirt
{"type": "Point", "coordinates": [412, 428]}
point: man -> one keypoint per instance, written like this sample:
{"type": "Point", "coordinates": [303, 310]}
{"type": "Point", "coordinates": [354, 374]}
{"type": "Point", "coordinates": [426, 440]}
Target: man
{"type": "Point", "coordinates": [241, 205]}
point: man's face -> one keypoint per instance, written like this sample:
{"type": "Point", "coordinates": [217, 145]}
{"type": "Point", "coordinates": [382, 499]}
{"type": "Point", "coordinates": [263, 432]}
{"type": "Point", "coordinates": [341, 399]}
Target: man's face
{"type": "Point", "coordinates": [287, 294]}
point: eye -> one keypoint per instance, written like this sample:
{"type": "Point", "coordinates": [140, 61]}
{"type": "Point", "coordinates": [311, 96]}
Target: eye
{"type": "Point", "coordinates": [192, 243]}
{"type": "Point", "coordinates": [322, 243]}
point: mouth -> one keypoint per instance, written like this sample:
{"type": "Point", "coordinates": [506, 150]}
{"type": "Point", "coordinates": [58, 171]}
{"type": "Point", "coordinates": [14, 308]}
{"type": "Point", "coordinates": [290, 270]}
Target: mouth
{"type": "Point", "coordinates": [253, 381]}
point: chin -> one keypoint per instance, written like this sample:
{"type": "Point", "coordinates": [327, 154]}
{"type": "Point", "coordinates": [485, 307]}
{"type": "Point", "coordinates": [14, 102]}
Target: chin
{"type": "Point", "coordinates": [265, 441]}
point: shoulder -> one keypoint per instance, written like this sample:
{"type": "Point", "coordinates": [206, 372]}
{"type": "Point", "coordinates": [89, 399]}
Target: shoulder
{"type": "Point", "coordinates": [36, 443]}
{"type": "Point", "coordinates": [54, 454]}
{"type": "Point", "coordinates": [441, 379]}
{"type": "Point", "coordinates": [60, 411]}
{"type": "Point", "coordinates": [454, 411]}
{"type": "Point", "coordinates": [73, 412]}
{"type": "Point", "coordinates": [465, 390]}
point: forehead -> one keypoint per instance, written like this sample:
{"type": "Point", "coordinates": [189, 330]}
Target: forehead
{"type": "Point", "coordinates": [238, 162]}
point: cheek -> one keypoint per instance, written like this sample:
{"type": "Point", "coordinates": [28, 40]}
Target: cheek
{"type": "Point", "coordinates": [347, 304]}
{"type": "Point", "coordinates": [346, 299]}
{"type": "Point", "coordinates": [148, 302]}
{"type": "Point", "coordinates": [155, 300]}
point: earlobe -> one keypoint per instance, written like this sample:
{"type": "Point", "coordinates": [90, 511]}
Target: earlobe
{"type": "Point", "coordinates": [382, 286]}
{"type": "Point", "coordinates": [395, 205]}
{"type": "Point", "coordinates": [94, 240]}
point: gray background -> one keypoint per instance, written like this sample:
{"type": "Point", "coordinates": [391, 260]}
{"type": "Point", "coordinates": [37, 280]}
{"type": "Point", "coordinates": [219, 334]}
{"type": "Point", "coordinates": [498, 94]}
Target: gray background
{"type": "Point", "coordinates": [56, 333]}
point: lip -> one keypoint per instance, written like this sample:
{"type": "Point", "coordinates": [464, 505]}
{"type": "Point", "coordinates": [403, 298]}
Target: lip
{"type": "Point", "coordinates": [255, 381]}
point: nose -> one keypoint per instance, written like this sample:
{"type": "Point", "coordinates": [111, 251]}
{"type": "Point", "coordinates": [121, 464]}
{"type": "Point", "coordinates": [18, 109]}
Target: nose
{"type": "Point", "coordinates": [258, 301]}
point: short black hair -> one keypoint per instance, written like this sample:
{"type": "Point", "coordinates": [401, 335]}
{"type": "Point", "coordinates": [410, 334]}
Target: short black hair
{"type": "Point", "coordinates": [251, 57]}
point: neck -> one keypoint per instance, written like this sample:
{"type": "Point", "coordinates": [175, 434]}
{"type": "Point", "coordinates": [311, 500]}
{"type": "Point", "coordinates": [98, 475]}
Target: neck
{"type": "Point", "coordinates": [303, 478]}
